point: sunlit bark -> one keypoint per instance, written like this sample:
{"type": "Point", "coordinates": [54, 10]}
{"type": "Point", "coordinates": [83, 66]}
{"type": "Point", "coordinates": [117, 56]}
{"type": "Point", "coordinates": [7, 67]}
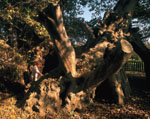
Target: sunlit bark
{"type": "Point", "coordinates": [102, 61]}
{"type": "Point", "coordinates": [53, 21]}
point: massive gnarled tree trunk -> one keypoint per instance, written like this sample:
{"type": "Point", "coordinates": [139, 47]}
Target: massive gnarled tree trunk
{"type": "Point", "coordinates": [102, 61]}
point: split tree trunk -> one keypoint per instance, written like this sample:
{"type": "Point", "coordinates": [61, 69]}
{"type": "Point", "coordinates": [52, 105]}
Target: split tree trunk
{"type": "Point", "coordinates": [125, 9]}
{"type": "Point", "coordinates": [103, 61]}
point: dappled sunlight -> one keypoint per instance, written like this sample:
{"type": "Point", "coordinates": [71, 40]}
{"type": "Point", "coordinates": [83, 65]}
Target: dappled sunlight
{"type": "Point", "coordinates": [75, 81]}
{"type": "Point", "coordinates": [90, 60]}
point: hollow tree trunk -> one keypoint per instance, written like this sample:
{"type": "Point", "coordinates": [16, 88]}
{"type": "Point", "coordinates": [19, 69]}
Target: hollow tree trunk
{"type": "Point", "coordinates": [102, 61]}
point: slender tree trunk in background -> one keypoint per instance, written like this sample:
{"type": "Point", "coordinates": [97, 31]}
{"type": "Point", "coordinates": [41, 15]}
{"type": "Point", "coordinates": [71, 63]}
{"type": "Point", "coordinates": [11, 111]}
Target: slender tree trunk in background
{"type": "Point", "coordinates": [143, 52]}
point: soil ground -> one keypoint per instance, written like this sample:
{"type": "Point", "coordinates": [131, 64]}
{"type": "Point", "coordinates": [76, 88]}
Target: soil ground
{"type": "Point", "coordinates": [137, 106]}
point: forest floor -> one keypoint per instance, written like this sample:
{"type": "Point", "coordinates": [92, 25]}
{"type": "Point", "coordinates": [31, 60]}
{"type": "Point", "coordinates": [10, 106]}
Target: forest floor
{"type": "Point", "coordinates": [137, 106]}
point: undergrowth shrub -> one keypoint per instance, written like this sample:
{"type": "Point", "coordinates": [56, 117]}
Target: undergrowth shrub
{"type": "Point", "coordinates": [12, 64]}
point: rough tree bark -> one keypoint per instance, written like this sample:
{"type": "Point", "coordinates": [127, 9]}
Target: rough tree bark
{"type": "Point", "coordinates": [125, 10]}
{"type": "Point", "coordinates": [100, 62]}
{"type": "Point", "coordinates": [53, 20]}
